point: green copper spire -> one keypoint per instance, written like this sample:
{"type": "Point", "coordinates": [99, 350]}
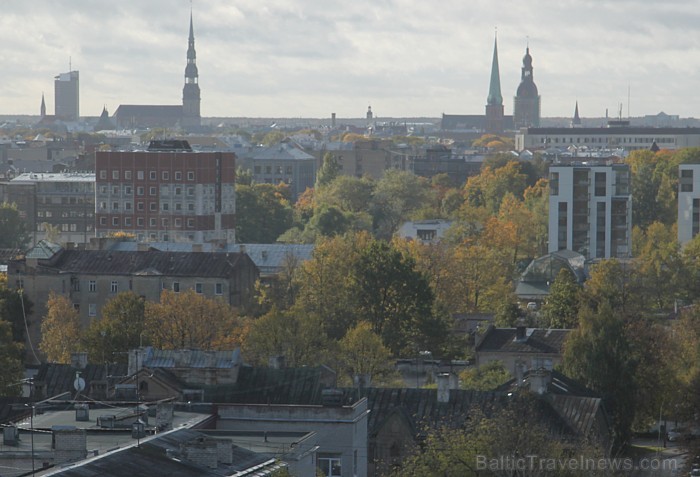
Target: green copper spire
{"type": "Point", "coordinates": [494, 97]}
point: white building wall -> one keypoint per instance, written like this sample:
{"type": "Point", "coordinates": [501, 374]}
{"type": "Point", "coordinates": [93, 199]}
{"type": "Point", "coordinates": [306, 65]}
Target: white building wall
{"type": "Point", "coordinates": [688, 192]}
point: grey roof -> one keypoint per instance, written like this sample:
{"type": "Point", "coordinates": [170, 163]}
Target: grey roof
{"type": "Point", "coordinates": [269, 258]}
{"type": "Point", "coordinates": [195, 358]}
{"type": "Point", "coordinates": [283, 151]}
{"type": "Point", "coordinates": [538, 340]}
{"type": "Point", "coordinates": [150, 110]}
{"type": "Point", "coordinates": [151, 262]}
{"type": "Point", "coordinates": [160, 456]}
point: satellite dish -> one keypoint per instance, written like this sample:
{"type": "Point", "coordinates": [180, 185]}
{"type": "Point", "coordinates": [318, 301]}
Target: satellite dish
{"type": "Point", "coordinates": [79, 384]}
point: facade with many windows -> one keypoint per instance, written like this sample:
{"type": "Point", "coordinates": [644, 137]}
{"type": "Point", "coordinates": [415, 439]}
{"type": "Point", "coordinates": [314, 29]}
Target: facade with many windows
{"type": "Point", "coordinates": [688, 202]}
{"type": "Point", "coordinates": [284, 162]}
{"type": "Point", "coordinates": [168, 193]}
{"type": "Point", "coordinates": [628, 138]}
{"type": "Point", "coordinates": [90, 278]}
{"type": "Point", "coordinates": [63, 202]}
{"type": "Point", "coordinates": [590, 209]}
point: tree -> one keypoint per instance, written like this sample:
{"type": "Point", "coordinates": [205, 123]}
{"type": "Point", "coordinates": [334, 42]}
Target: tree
{"type": "Point", "coordinates": [610, 284]}
{"type": "Point", "coordinates": [120, 328]}
{"type": "Point", "coordinates": [293, 334]}
{"type": "Point", "coordinates": [657, 264]}
{"type": "Point", "coordinates": [14, 230]}
{"type": "Point", "coordinates": [191, 320]}
{"type": "Point", "coordinates": [14, 307]}
{"type": "Point", "coordinates": [361, 352]}
{"type": "Point", "coordinates": [11, 368]}
{"type": "Point", "coordinates": [349, 194]}
{"type": "Point", "coordinates": [60, 329]}
{"type": "Point", "coordinates": [398, 195]}
{"type": "Point", "coordinates": [329, 170]}
{"type": "Point", "coordinates": [599, 354]}
{"type": "Point", "coordinates": [486, 377]}
{"type": "Point", "coordinates": [396, 299]}
{"type": "Point", "coordinates": [263, 213]}
{"type": "Point", "coordinates": [491, 185]}
{"type": "Point", "coordinates": [561, 308]}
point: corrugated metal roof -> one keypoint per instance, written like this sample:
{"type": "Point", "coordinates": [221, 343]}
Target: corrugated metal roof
{"type": "Point", "coordinates": [195, 358]}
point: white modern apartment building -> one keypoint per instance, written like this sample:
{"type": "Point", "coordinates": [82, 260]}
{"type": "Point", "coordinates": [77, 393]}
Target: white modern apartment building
{"type": "Point", "coordinates": [590, 209]}
{"type": "Point", "coordinates": [688, 202]}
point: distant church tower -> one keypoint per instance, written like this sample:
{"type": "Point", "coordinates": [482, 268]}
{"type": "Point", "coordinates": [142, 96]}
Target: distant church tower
{"type": "Point", "coordinates": [43, 106]}
{"type": "Point", "coordinates": [369, 112]}
{"type": "Point", "coordinates": [526, 108]}
{"type": "Point", "coordinates": [576, 121]}
{"type": "Point", "coordinates": [494, 101]}
{"type": "Point", "coordinates": [191, 116]}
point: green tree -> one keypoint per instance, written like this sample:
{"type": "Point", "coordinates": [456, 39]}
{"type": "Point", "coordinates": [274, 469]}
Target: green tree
{"type": "Point", "coordinates": [60, 330]}
{"type": "Point", "coordinates": [293, 334]}
{"type": "Point", "coordinates": [349, 194]}
{"type": "Point", "coordinates": [11, 368]}
{"type": "Point", "coordinates": [14, 306]}
{"type": "Point", "coordinates": [244, 176]}
{"type": "Point", "coordinates": [486, 377]}
{"type": "Point", "coordinates": [329, 170]}
{"type": "Point", "coordinates": [361, 352]}
{"type": "Point", "coordinates": [120, 328]}
{"type": "Point", "coordinates": [657, 264]}
{"type": "Point", "coordinates": [561, 308]}
{"type": "Point", "coordinates": [263, 213]}
{"type": "Point", "coordinates": [191, 320]}
{"type": "Point", "coordinates": [14, 230]}
{"type": "Point", "coordinates": [489, 187]}
{"type": "Point", "coordinates": [397, 196]}
{"type": "Point", "coordinates": [396, 299]}
{"type": "Point", "coordinates": [599, 354]}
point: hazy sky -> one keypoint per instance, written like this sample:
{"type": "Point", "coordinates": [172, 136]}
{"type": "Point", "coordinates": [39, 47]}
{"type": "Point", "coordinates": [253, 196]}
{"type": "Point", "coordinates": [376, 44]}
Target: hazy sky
{"type": "Point", "coordinates": [310, 58]}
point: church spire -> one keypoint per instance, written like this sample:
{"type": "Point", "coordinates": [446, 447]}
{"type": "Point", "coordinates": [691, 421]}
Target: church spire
{"type": "Point", "coordinates": [190, 92]}
{"type": "Point", "coordinates": [495, 97]}
{"type": "Point", "coordinates": [43, 106]}
{"type": "Point", "coordinates": [577, 119]}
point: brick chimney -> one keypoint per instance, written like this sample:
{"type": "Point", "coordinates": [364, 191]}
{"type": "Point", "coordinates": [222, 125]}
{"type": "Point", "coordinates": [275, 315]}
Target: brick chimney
{"type": "Point", "coordinates": [202, 451]}
{"type": "Point", "coordinates": [68, 444]}
{"type": "Point", "coordinates": [539, 380]}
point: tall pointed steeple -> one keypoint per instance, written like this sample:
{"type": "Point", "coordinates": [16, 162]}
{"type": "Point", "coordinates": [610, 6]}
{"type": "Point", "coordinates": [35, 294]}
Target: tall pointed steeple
{"type": "Point", "coordinates": [190, 92]}
{"type": "Point", "coordinates": [494, 101]}
{"type": "Point", "coordinates": [495, 96]}
{"type": "Point", "coordinates": [43, 106]}
{"type": "Point", "coordinates": [576, 122]}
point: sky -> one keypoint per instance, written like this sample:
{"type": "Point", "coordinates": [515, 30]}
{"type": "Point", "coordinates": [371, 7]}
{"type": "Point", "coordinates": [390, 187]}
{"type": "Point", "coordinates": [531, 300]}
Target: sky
{"type": "Point", "coordinates": [311, 58]}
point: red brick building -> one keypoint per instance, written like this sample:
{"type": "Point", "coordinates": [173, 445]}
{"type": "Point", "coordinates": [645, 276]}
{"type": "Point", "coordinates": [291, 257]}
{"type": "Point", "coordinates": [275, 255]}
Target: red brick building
{"type": "Point", "coordinates": [167, 193]}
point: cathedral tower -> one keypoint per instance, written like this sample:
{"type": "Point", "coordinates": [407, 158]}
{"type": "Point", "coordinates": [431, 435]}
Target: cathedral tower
{"type": "Point", "coordinates": [494, 101]}
{"type": "Point", "coordinates": [191, 116]}
{"type": "Point", "coordinates": [526, 107]}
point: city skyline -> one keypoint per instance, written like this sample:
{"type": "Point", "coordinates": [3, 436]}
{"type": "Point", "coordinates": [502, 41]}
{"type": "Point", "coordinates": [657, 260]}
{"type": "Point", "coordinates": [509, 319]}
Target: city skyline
{"type": "Point", "coordinates": [308, 58]}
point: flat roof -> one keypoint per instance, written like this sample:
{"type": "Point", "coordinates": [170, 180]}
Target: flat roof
{"type": "Point", "coordinates": [55, 177]}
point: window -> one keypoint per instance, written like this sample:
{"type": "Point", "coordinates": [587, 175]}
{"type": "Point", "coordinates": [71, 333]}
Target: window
{"type": "Point", "coordinates": [92, 286]}
{"type": "Point", "coordinates": [289, 169]}
{"type": "Point", "coordinates": [139, 221]}
{"type": "Point", "coordinates": [103, 205]}
{"type": "Point", "coordinates": [103, 189]}
{"type": "Point", "coordinates": [115, 190]}
{"type": "Point", "coordinates": [114, 286]}
{"type": "Point", "coordinates": [178, 223]}
{"type": "Point", "coordinates": [178, 175]}
{"type": "Point", "coordinates": [103, 220]}
{"type": "Point", "coordinates": [115, 174]}
{"type": "Point", "coordinates": [152, 191]}
{"type": "Point", "coordinates": [153, 206]}
{"type": "Point", "coordinates": [178, 191]}
{"type": "Point", "coordinates": [76, 306]}
{"type": "Point", "coordinates": [178, 206]}
{"type": "Point", "coordinates": [166, 206]}
{"type": "Point", "coordinates": [600, 181]}
{"type": "Point", "coordinates": [686, 180]}
{"type": "Point", "coordinates": [198, 288]}
{"type": "Point", "coordinates": [190, 223]}
{"type": "Point", "coordinates": [127, 221]}
{"type": "Point", "coordinates": [164, 222]}
{"type": "Point", "coordinates": [139, 206]}
{"type": "Point", "coordinates": [115, 205]}
{"type": "Point", "coordinates": [190, 175]}
{"type": "Point", "coordinates": [190, 207]}
{"type": "Point", "coordinates": [92, 309]}
{"type": "Point", "coordinates": [127, 175]}
{"type": "Point", "coordinates": [139, 190]}
{"type": "Point", "coordinates": [329, 465]}
{"type": "Point", "coordinates": [165, 175]}
{"type": "Point", "coordinates": [75, 284]}
{"type": "Point", "coordinates": [152, 175]}
{"type": "Point", "coordinates": [115, 221]}
{"type": "Point", "coordinates": [190, 191]}
{"type": "Point", "coordinates": [103, 174]}
{"type": "Point", "coordinates": [176, 287]}
{"type": "Point", "coordinates": [127, 205]}
{"type": "Point", "coordinates": [219, 289]}
{"type": "Point", "coordinates": [152, 222]}
{"type": "Point", "coordinates": [554, 183]}
{"type": "Point", "coordinates": [139, 175]}
{"type": "Point", "coordinates": [127, 190]}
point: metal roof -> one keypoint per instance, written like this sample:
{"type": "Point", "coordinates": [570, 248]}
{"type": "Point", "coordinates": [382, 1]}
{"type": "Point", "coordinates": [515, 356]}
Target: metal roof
{"type": "Point", "coordinates": [55, 177]}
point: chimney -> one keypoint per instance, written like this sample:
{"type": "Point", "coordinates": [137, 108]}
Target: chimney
{"type": "Point", "coordinates": [164, 416]}
{"type": "Point", "coordinates": [520, 331]}
{"type": "Point", "coordinates": [136, 358]}
{"type": "Point", "coordinates": [201, 451]}
{"type": "Point", "coordinates": [539, 380]}
{"type": "Point", "coordinates": [277, 362]}
{"type": "Point", "coordinates": [79, 360]}
{"type": "Point", "coordinates": [68, 444]}
{"type": "Point", "coordinates": [443, 388]}
{"type": "Point", "coordinates": [224, 449]}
